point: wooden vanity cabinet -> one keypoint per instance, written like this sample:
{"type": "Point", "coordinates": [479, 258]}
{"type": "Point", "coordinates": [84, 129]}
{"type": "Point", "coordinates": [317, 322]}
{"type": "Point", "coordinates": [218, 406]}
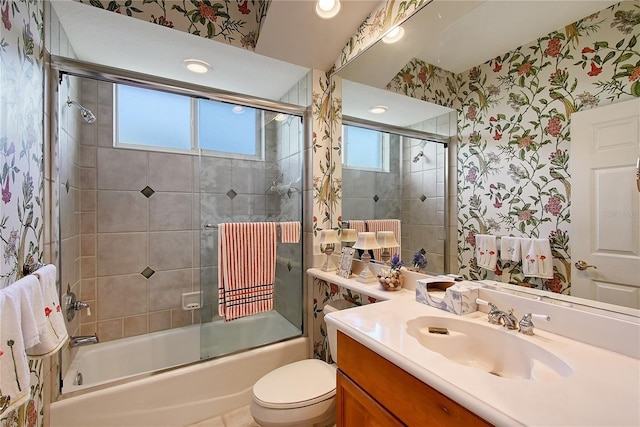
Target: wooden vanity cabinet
{"type": "Point", "coordinates": [371, 391]}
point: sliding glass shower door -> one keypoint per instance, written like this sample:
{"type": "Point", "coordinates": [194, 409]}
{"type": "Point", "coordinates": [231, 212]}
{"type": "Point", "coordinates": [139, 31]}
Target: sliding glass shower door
{"type": "Point", "coordinates": [250, 171]}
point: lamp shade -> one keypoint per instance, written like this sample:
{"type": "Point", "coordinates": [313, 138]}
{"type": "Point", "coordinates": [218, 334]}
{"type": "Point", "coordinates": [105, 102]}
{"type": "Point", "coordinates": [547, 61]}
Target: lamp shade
{"type": "Point", "coordinates": [328, 237]}
{"type": "Point", "coordinates": [349, 235]}
{"type": "Point", "coordinates": [387, 239]}
{"type": "Point", "coordinates": [367, 240]}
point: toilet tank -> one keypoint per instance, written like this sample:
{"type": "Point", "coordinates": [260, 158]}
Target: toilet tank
{"type": "Point", "coordinates": [332, 332]}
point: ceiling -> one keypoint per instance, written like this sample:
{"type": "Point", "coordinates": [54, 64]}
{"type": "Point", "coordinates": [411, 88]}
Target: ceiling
{"type": "Point", "coordinates": [293, 40]}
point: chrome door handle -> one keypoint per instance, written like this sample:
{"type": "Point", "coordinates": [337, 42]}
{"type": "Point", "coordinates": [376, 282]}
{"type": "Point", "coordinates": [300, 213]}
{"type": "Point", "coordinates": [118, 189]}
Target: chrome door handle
{"type": "Point", "coordinates": [638, 173]}
{"type": "Point", "coordinates": [582, 265]}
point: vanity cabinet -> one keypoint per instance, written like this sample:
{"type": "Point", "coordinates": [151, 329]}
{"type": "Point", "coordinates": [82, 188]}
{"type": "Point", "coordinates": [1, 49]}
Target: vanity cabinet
{"type": "Point", "coordinates": [371, 391]}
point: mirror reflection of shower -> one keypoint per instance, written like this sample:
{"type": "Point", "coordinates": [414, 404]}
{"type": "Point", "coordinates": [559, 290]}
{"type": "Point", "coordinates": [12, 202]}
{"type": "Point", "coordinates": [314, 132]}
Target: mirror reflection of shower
{"type": "Point", "coordinates": [279, 187]}
{"type": "Point", "coordinates": [417, 157]}
{"type": "Point", "coordinates": [86, 114]}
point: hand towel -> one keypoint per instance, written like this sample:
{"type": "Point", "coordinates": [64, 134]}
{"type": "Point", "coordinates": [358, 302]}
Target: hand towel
{"type": "Point", "coordinates": [510, 248]}
{"type": "Point", "coordinates": [290, 232]}
{"type": "Point", "coordinates": [14, 366]}
{"type": "Point", "coordinates": [246, 268]}
{"type": "Point", "coordinates": [537, 260]}
{"type": "Point", "coordinates": [376, 225]}
{"type": "Point", "coordinates": [486, 251]}
{"type": "Point", "coordinates": [26, 293]}
{"type": "Point", "coordinates": [54, 333]}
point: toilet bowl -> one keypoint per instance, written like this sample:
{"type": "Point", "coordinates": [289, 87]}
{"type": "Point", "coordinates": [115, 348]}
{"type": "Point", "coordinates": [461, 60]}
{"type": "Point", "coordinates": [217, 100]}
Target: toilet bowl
{"type": "Point", "coordinates": [302, 393]}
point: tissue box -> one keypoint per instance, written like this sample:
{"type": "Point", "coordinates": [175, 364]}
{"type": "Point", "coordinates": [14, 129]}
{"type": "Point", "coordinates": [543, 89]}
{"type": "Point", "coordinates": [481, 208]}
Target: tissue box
{"type": "Point", "coordinates": [448, 295]}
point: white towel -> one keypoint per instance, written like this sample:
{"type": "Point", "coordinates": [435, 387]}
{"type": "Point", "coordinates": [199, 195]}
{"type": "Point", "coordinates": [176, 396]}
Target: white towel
{"type": "Point", "coordinates": [26, 293]}
{"type": "Point", "coordinates": [290, 232]}
{"type": "Point", "coordinates": [246, 268]}
{"type": "Point", "coordinates": [537, 260]}
{"type": "Point", "coordinates": [14, 366]}
{"type": "Point", "coordinates": [54, 333]}
{"type": "Point", "coordinates": [486, 251]}
{"type": "Point", "coordinates": [510, 249]}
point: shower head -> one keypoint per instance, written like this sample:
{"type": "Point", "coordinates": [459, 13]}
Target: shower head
{"type": "Point", "coordinates": [417, 157]}
{"type": "Point", "coordinates": [86, 114]}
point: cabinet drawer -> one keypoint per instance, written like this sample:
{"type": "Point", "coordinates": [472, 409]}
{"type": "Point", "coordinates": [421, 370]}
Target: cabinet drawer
{"type": "Point", "coordinates": [413, 402]}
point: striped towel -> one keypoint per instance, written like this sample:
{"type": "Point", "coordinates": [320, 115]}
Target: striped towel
{"type": "Point", "coordinates": [357, 225]}
{"type": "Point", "coordinates": [246, 268]}
{"type": "Point", "coordinates": [290, 232]}
{"type": "Point", "coordinates": [376, 225]}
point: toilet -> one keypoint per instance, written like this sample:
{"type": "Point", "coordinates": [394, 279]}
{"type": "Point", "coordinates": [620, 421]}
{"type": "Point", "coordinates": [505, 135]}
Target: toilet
{"type": "Point", "coordinates": [302, 393]}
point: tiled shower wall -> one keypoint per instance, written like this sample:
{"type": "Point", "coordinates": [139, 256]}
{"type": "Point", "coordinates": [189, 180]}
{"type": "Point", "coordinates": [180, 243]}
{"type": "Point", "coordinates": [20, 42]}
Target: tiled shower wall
{"type": "Point", "coordinates": [142, 213]}
{"type": "Point", "coordinates": [412, 192]}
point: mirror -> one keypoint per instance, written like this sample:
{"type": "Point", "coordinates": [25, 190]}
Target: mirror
{"type": "Point", "coordinates": [515, 73]}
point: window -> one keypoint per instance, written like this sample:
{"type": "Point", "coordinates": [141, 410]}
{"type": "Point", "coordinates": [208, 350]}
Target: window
{"type": "Point", "coordinates": [148, 118]}
{"type": "Point", "coordinates": [364, 149]}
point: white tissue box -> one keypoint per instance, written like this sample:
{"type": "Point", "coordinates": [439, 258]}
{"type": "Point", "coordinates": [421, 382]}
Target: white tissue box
{"type": "Point", "coordinates": [447, 295]}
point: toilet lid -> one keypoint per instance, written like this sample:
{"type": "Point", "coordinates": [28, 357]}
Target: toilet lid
{"type": "Point", "coordinates": [297, 384]}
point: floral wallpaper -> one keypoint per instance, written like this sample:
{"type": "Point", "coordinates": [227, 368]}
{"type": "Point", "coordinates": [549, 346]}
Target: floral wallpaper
{"type": "Point", "coordinates": [21, 135]}
{"type": "Point", "coordinates": [236, 22]}
{"type": "Point", "coordinates": [514, 116]}
{"type": "Point", "coordinates": [323, 293]}
{"type": "Point", "coordinates": [21, 157]}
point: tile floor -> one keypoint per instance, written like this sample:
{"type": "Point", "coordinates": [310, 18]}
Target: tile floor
{"type": "Point", "coordinates": [240, 417]}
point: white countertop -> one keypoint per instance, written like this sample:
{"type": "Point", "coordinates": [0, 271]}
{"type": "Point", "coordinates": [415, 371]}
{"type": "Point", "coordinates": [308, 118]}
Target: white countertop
{"type": "Point", "coordinates": [604, 389]}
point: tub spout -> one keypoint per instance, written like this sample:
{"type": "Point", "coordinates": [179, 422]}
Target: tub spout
{"type": "Point", "coordinates": [84, 340]}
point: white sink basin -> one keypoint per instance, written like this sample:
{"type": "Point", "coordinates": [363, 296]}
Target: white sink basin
{"type": "Point", "coordinates": [489, 348]}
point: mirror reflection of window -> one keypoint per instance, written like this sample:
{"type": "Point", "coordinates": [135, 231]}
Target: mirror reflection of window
{"type": "Point", "coordinates": [365, 149]}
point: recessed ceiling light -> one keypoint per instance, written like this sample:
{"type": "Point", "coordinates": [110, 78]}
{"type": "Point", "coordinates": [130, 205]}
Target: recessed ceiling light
{"type": "Point", "coordinates": [197, 65]}
{"type": "Point", "coordinates": [378, 109]}
{"type": "Point", "coordinates": [327, 8]}
{"type": "Point", "coordinates": [393, 35]}
{"type": "Point", "coordinates": [238, 109]}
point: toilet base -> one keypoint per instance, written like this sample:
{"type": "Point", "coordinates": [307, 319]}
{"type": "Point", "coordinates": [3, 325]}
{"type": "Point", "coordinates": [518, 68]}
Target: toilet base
{"type": "Point", "coordinates": [321, 414]}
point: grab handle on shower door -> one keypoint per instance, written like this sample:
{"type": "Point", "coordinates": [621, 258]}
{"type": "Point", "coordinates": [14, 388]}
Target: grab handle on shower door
{"type": "Point", "coordinates": [638, 173]}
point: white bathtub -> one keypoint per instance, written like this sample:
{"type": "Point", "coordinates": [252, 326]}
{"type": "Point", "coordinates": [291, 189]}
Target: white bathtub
{"type": "Point", "coordinates": [174, 397]}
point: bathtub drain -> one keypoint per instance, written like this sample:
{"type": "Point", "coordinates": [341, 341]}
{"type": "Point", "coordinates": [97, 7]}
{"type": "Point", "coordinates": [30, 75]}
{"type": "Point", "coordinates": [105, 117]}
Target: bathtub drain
{"type": "Point", "coordinates": [78, 379]}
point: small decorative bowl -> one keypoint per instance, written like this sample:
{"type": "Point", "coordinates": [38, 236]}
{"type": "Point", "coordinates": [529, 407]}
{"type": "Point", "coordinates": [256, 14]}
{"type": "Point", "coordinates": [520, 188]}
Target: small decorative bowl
{"type": "Point", "coordinates": [390, 279]}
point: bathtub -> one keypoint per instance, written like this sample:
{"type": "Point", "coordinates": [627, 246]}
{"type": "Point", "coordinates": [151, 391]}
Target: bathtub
{"type": "Point", "coordinates": [173, 397]}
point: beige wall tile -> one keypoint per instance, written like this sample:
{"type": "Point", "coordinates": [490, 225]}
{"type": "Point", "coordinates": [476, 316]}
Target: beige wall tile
{"type": "Point", "coordinates": [135, 325]}
{"type": "Point", "coordinates": [166, 289]}
{"type": "Point", "coordinates": [170, 211]}
{"type": "Point", "coordinates": [121, 169]}
{"type": "Point", "coordinates": [122, 253]}
{"type": "Point", "coordinates": [88, 222]}
{"type": "Point", "coordinates": [88, 289]}
{"type": "Point", "coordinates": [181, 318]}
{"type": "Point", "coordinates": [88, 201]}
{"type": "Point", "coordinates": [88, 178]}
{"type": "Point", "coordinates": [177, 177]}
{"type": "Point", "coordinates": [88, 244]}
{"type": "Point", "coordinates": [122, 211]}
{"type": "Point", "coordinates": [88, 267]}
{"type": "Point", "coordinates": [121, 296]}
{"type": "Point", "coordinates": [110, 330]}
{"type": "Point", "coordinates": [87, 156]}
{"type": "Point", "coordinates": [159, 321]}
{"type": "Point", "coordinates": [171, 250]}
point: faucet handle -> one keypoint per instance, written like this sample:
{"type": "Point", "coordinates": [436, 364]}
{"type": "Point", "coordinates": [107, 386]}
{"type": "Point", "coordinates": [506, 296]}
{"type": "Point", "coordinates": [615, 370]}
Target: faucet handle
{"type": "Point", "coordinates": [493, 312]}
{"type": "Point", "coordinates": [526, 324]}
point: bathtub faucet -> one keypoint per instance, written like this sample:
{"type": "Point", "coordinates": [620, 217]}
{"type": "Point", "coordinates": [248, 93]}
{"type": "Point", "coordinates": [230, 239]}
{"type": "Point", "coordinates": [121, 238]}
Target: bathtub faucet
{"type": "Point", "coordinates": [84, 340]}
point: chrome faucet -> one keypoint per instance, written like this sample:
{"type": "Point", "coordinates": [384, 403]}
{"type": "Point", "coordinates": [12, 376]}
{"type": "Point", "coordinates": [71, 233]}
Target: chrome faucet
{"type": "Point", "coordinates": [84, 340]}
{"type": "Point", "coordinates": [526, 325]}
{"type": "Point", "coordinates": [499, 317]}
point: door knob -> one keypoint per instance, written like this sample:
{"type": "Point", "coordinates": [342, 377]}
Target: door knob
{"type": "Point", "coordinates": [582, 265]}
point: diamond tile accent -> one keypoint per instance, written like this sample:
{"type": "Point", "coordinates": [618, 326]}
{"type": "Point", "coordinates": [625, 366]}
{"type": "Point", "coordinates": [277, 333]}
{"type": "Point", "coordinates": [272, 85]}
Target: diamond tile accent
{"type": "Point", "coordinates": [147, 272]}
{"type": "Point", "coordinates": [376, 198]}
{"type": "Point", "coordinates": [423, 198]}
{"type": "Point", "coordinates": [147, 191]}
{"type": "Point", "coordinates": [423, 252]}
{"type": "Point", "coordinates": [231, 194]}
{"type": "Point", "coordinates": [66, 186]}
{"type": "Point", "coordinates": [289, 266]}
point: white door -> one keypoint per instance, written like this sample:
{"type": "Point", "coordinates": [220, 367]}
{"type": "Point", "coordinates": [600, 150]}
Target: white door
{"type": "Point", "coordinates": [605, 205]}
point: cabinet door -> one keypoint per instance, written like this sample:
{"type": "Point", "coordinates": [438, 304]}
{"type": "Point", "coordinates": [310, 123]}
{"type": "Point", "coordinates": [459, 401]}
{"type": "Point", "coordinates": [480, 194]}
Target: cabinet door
{"type": "Point", "coordinates": [357, 409]}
